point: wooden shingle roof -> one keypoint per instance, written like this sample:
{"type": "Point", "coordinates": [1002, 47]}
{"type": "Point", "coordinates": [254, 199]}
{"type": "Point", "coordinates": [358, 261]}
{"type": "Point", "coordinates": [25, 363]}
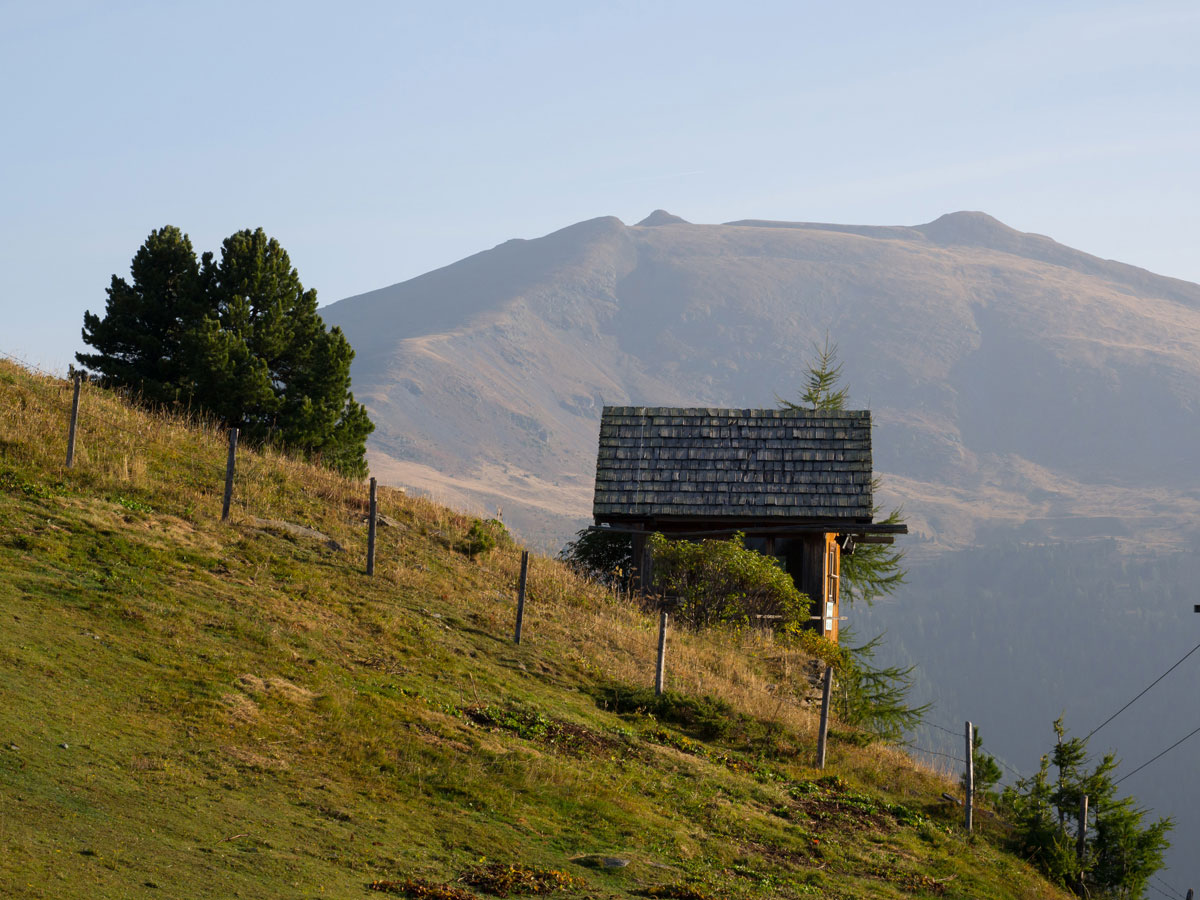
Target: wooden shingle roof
{"type": "Point", "coordinates": [668, 462]}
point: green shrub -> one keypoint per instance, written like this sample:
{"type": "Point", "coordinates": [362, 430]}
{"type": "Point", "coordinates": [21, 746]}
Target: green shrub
{"type": "Point", "coordinates": [606, 556]}
{"type": "Point", "coordinates": [484, 536]}
{"type": "Point", "coordinates": [723, 583]}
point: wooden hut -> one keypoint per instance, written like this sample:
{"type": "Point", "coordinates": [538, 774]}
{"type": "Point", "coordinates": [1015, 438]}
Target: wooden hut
{"type": "Point", "coordinates": [796, 482]}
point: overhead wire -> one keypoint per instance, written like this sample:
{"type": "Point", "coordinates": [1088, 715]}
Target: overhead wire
{"type": "Point", "coordinates": [91, 418]}
{"type": "Point", "coordinates": [1144, 691]}
{"type": "Point", "coordinates": [1167, 885]}
{"type": "Point", "coordinates": [961, 734]}
{"type": "Point", "coordinates": [1164, 893]}
{"type": "Point", "coordinates": [1157, 757]}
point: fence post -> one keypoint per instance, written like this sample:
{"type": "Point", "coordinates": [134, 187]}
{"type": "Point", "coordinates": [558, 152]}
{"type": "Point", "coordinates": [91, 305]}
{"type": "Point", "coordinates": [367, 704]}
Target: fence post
{"type": "Point", "coordinates": [823, 733]}
{"type": "Point", "coordinates": [371, 532]}
{"type": "Point", "coordinates": [969, 778]}
{"type": "Point", "coordinates": [661, 666]}
{"type": "Point", "coordinates": [229, 468]}
{"type": "Point", "coordinates": [74, 423]}
{"type": "Point", "coordinates": [1081, 837]}
{"type": "Point", "coordinates": [521, 595]}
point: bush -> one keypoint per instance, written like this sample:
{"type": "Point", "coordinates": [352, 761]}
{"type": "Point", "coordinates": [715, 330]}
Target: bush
{"type": "Point", "coordinates": [484, 536]}
{"type": "Point", "coordinates": [703, 717]}
{"type": "Point", "coordinates": [722, 583]}
{"type": "Point", "coordinates": [606, 556]}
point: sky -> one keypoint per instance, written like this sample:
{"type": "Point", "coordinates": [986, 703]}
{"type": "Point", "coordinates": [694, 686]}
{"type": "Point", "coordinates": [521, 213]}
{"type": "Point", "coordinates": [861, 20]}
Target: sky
{"type": "Point", "coordinates": [383, 140]}
{"type": "Point", "coordinates": [387, 139]}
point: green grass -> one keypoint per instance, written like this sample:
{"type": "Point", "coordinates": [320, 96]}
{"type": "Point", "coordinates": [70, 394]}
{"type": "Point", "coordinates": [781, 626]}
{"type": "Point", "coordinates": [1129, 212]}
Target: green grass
{"type": "Point", "coordinates": [205, 710]}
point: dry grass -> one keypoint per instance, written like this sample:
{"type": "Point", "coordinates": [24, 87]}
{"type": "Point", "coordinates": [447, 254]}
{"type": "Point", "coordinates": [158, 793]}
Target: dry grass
{"type": "Point", "coordinates": [177, 457]}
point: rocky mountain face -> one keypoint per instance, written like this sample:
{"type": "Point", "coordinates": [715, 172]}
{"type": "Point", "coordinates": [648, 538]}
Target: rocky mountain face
{"type": "Point", "coordinates": [1018, 386]}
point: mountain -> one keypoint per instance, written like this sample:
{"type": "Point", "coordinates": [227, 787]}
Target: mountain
{"type": "Point", "coordinates": [1018, 386]}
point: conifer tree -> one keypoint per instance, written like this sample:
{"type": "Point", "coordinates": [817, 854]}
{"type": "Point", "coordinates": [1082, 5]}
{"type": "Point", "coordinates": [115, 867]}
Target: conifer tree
{"type": "Point", "coordinates": [872, 570]}
{"type": "Point", "coordinates": [871, 697]}
{"type": "Point", "coordinates": [143, 342]}
{"type": "Point", "coordinates": [1120, 851]}
{"type": "Point", "coordinates": [273, 368]}
{"type": "Point", "coordinates": [238, 337]}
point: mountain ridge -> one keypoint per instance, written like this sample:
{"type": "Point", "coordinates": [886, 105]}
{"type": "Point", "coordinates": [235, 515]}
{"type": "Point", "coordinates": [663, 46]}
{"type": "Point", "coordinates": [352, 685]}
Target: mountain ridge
{"type": "Point", "coordinates": [953, 332]}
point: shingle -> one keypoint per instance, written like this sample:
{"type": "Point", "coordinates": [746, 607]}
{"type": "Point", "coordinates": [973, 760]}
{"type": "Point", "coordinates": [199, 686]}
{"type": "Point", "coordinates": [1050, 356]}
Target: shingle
{"type": "Point", "coordinates": [654, 460]}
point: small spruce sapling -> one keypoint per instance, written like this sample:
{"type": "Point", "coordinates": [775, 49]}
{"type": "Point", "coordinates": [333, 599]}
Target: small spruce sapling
{"type": "Point", "coordinates": [1120, 851]}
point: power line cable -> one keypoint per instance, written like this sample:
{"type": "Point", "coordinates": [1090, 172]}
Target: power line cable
{"type": "Point", "coordinates": [1164, 893]}
{"type": "Point", "coordinates": [1170, 887]}
{"type": "Point", "coordinates": [1159, 756]}
{"type": "Point", "coordinates": [1143, 693]}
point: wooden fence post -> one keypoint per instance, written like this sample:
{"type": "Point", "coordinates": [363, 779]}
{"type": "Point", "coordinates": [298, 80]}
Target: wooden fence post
{"type": "Point", "coordinates": [74, 423]}
{"type": "Point", "coordinates": [969, 800]}
{"type": "Point", "coordinates": [230, 463]}
{"type": "Point", "coordinates": [521, 595]}
{"type": "Point", "coordinates": [371, 532]}
{"type": "Point", "coordinates": [1081, 836]}
{"type": "Point", "coordinates": [661, 666]}
{"type": "Point", "coordinates": [823, 733]}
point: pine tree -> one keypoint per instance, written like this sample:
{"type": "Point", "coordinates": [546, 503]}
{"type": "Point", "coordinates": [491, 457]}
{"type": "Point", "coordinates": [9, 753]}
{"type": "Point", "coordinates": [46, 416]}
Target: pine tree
{"type": "Point", "coordinates": [274, 369]}
{"type": "Point", "coordinates": [237, 337]}
{"type": "Point", "coordinates": [143, 343]}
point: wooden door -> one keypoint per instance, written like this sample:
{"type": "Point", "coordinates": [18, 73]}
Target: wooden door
{"type": "Point", "coordinates": [831, 592]}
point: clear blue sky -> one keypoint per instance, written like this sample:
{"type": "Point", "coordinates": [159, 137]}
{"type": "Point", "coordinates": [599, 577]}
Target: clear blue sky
{"type": "Point", "coordinates": [386, 139]}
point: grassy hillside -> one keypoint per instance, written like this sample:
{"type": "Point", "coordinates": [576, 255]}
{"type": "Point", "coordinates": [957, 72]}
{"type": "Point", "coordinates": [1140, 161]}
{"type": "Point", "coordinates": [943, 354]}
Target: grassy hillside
{"type": "Point", "coordinates": [199, 709]}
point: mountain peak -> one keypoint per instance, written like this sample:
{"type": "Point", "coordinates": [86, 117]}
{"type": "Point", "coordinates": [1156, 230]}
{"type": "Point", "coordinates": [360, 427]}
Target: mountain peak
{"type": "Point", "coordinates": [968, 227]}
{"type": "Point", "coordinates": [662, 217]}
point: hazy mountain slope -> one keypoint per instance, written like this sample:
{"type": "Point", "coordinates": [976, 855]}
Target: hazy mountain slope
{"type": "Point", "coordinates": [1013, 380]}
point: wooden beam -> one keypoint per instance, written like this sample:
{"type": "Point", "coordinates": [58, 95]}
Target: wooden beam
{"type": "Point", "coordinates": [814, 527]}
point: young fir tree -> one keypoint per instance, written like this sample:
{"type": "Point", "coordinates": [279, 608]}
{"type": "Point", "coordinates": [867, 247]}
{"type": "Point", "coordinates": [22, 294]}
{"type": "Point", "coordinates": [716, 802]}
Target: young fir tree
{"type": "Point", "coordinates": [1120, 851]}
{"type": "Point", "coordinates": [143, 343]}
{"type": "Point", "coordinates": [985, 769]}
{"type": "Point", "coordinates": [872, 570]}
{"type": "Point", "coordinates": [873, 698]}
